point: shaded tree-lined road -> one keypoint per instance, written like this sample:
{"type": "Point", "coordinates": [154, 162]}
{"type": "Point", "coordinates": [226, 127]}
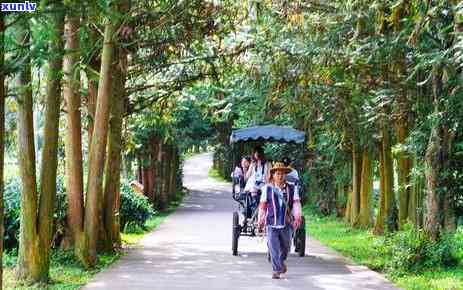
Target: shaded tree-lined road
{"type": "Point", "coordinates": [192, 250]}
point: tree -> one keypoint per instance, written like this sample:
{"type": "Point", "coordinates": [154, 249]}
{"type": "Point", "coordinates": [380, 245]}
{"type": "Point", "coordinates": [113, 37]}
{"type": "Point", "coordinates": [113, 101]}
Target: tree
{"type": "Point", "coordinates": [113, 160]}
{"type": "Point", "coordinates": [73, 140]}
{"type": "Point", "coordinates": [85, 222]}
{"type": "Point", "coordinates": [35, 232]}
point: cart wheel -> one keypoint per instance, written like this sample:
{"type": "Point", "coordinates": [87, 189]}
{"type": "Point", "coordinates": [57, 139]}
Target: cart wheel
{"type": "Point", "coordinates": [300, 239]}
{"type": "Point", "coordinates": [236, 229]}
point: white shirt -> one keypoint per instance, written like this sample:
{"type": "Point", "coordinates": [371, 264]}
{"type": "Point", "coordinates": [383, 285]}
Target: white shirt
{"type": "Point", "coordinates": [238, 172]}
{"type": "Point", "coordinates": [256, 175]}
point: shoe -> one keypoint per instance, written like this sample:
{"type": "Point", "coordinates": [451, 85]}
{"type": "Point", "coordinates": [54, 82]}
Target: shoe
{"type": "Point", "coordinates": [285, 268]}
{"type": "Point", "coordinates": [276, 276]}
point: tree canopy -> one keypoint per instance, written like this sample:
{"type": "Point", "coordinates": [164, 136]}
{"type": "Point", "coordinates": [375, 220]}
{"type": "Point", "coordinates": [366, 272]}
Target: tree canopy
{"type": "Point", "coordinates": [95, 90]}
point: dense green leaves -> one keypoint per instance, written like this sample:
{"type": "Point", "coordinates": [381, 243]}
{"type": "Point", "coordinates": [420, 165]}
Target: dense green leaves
{"type": "Point", "coordinates": [135, 208]}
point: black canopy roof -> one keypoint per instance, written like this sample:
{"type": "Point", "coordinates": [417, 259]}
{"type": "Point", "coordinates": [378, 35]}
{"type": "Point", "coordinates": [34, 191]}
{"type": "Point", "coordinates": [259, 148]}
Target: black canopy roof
{"type": "Point", "coordinates": [268, 133]}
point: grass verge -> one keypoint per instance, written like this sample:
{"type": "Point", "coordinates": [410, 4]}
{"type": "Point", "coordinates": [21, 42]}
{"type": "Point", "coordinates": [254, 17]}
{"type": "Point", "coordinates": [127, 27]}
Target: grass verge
{"type": "Point", "coordinates": [65, 272]}
{"type": "Point", "coordinates": [214, 174]}
{"type": "Point", "coordinates": [367, 249]}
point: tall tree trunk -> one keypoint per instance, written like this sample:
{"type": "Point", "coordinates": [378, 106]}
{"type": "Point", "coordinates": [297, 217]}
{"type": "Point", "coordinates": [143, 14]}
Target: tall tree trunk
{"type": "Point", "coordinates": [356, 183]}
{"type": "Point", "coordinates": [145, 172]}
{"type": "Point", "coordinates": [73, 138]}
{"type": "Point", "coordinates": [380, 217]}
{"type": "Point", "coordinates": [450, 217]}
{"type": "Point", "coordinates": [98, 147]}
{"type": "Point", "coordinates": [50, 147]}
{"type": "Point", "coordinates": [436, 162]}
{"type": "Point", "coordinates": [92, 78]}
{"type": "Point", "coordinates": [366, 190]}
{"type": "Point", "coordinates": [173, 171]}
{"type": "Point", "coordinates": [156, 170]}
{"type": "Point", "coordinates": [35, 234]}
{"type": "Point", "coordinates": [413, 198]}
{"type": "Point", "coordinates": [403, 173]}
{"type": "Point", "coordinates": [113, 162]}
{"type": "Point", "coordinates": [168, 169]}
{"type": "Point", "coordinates": [340, 200]}
{"type": "Point", "coordinates": [448, 206]}
{"type": "Point", "coordinates": [2, 136]}
{"type": "Point", "coordinates": [28, 256]}
{"type": "Point", "coordinates": [389, 201]}
{"type": "Point", "coordinates": [160, 184]}
{"type": "Point", "coordinates": [434, 198]}
{"type": "Point", "coordinates": [139, 169]}
{"type": "Point", "coordinates": [348, 215]}
{"type": "Point", "coordinates": [150, 181]}
{"type": "Point", "coordinates": [151, 169]}
{"type": "Point", "coordinates": [402, 108]}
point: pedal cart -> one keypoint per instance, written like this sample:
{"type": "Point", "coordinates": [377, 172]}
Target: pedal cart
{"type": "Point", "coordinates": [247, 211]}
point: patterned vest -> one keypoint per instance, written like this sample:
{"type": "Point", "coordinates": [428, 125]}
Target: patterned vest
{"type": "Point", "coordinates": [276, 214]}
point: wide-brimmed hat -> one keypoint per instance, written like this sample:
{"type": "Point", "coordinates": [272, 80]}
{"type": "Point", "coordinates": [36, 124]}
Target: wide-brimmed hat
{"type": "Point", "coordinates": [279, 166]}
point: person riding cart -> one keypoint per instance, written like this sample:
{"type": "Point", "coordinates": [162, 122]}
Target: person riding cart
{"type": "Point", "coordinates": [293, 175]}
{"type": "Point", "coordinates": [257, 175]}
{"type": "Point", "coordinates": [280, 210]}
{"type": "Point", "coordinates": [240, 173]}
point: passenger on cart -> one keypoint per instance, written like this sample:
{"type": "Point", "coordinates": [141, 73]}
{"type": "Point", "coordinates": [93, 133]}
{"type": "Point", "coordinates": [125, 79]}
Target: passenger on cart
{"type": "Point", "coordinates": [293, 175]}
{"type": "Point", "coordinates": [240, 171]}
{"type": "Point", "coordinates": [258, 175]}
{"type": "Point", "coordinates": [279, 209]}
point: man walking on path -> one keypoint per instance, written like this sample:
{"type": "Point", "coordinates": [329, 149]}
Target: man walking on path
{"type": "Point", "coordinates": [280, 209]}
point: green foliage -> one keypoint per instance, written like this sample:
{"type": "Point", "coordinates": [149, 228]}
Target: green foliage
{"type": "Point", "coordinates": [12, 201]}
{"type": "Point", "coordinates": [135, 208]}
{"type": "Point", "coordinates": [411, 250]}
{"type": "Point", "coordinates": [223, 161]}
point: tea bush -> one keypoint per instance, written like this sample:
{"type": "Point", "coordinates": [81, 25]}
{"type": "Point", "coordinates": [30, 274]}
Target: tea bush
{"type": "Point", "coordinates": [135, 208]}
{"type": "Point", "coordinates": [12, 202]}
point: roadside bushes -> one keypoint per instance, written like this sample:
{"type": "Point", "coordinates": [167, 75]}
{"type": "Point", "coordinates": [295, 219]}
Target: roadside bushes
{"type": "Point", "coordinates": [411, 250]}
{"type": "Point", "coordinates": [135, 208]}
{"type": "Point", "coordinates": [12, 201]}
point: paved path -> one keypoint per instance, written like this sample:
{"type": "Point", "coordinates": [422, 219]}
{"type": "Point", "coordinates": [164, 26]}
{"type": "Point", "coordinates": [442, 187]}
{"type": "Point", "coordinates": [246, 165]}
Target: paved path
{"type": "Point", "coordinates": [191, 250]}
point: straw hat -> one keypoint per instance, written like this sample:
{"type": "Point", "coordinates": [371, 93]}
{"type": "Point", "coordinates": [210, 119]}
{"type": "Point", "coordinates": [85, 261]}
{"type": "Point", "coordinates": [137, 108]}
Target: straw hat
{"type": "Point", "coordinates": [279, 166]}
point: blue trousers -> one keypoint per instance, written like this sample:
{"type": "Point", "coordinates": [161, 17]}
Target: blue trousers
{"type": "Point", "coordinates": [279, 244]}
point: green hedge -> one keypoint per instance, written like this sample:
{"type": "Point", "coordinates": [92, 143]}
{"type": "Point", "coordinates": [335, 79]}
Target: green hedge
{"type": "Point", "coordinates": [135, 208]}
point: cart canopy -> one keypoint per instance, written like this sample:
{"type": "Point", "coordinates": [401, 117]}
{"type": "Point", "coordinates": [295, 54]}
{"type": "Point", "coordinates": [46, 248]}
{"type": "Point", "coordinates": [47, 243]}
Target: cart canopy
{"type": "Point", "coordinates": [270, 133]}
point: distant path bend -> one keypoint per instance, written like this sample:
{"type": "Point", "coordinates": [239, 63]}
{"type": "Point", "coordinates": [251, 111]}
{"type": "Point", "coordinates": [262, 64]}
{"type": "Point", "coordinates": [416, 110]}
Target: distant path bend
{"type": "Point", "coordinates": [191, 250]}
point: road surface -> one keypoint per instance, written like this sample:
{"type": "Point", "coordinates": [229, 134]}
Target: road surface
{"type": "Point", "coordinates": [191, 250]}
